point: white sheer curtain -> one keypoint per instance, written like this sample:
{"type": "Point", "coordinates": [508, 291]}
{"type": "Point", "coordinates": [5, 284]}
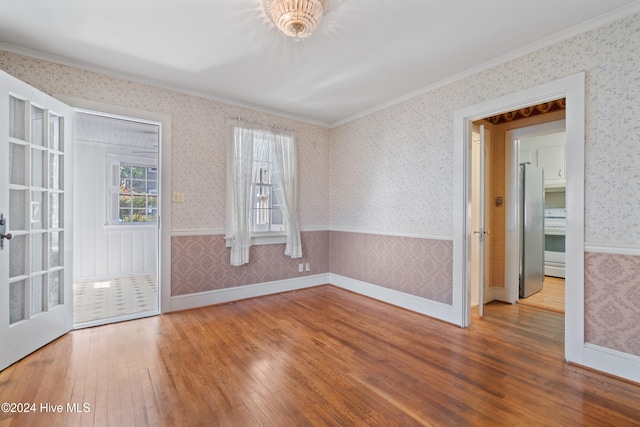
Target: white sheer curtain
{"type": "Point", "coordinates": [240, 198]}
{"type": "Point", "coordinates": [247, 143]}
{"type": "Point", "coordinates": [285, 184]}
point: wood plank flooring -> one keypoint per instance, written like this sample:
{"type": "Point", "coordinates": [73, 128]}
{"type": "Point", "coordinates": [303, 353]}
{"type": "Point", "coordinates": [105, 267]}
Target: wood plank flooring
{"type": "Point", "coordinates": [551, 297]}
{"type": "Point", "coordinates": [315, 357]}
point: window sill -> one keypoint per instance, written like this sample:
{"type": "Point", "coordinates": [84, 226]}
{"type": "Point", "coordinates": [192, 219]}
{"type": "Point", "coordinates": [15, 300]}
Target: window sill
{"type": "Point", "coordinates": [262, 239]}
{"type": "Point", "coordinates": [130, 227]}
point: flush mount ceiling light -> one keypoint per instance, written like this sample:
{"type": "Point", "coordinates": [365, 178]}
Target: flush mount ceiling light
{"type": "Point", "coordinates": [295, 18]}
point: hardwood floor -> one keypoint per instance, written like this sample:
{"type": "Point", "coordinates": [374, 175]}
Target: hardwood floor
{"type": "Point", "coordinates": [319, 356]}
{"type": "Point", "coordinates": [551, 297]}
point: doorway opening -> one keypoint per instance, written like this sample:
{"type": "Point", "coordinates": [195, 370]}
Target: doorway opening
{"type": "Point", "coordinates": [571, 88]}
{"type": "Point", "coordinates": [116, 228]}
{"type": "Point", "coordinates": [523, 249]}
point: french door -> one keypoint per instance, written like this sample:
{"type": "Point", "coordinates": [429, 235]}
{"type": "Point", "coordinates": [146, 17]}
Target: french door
{"type": "Point", "coordinates": [36, 163]}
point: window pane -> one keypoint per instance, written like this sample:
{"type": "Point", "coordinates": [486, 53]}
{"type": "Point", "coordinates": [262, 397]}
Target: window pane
{"type": "Point", "coordinates": [139, 186]}
{"type": "Point", "coordinates": [38, 260]}
{"type": "Point", "coordinates": [17, 297]}
{"type": "Point", "coordinates": [124, 215]}
{"type": "Point", "coordinates": [17, 160]}
{"type": "Point", "coordinates": [276, 217]}
{"type": "Point", "coordinates": [38, 289]}
{"type": "Point", "coordinates": [139, 201]}
{"type": "Point", "coordinates": [124, 201]}
{"type": "Point", "coordinates": [37, 126]}
{"type": "Point", "coordinates": [55, 252]}
{"type": "Point", "coordinates": [17, 215]}
{"type": "Point", "coordinates": [54, 171]}
{"type": "Point", "coordinates": [152, 187]}
{"type": "Point", "coordinates": [17, 256]}
{"type": "Point", "coordinates": [139, 215]}
{"type": "Point", "coordinates": [54, 132]}
{"type": "Point", "coordinates": [152, 202]}
{"type": "Point", "coordinates": [55, 212]}
{"type": "Point", "coordinates": [138, 172]}
{"type": "Point", "coordinates": [38, 159]}
{"type": "Point", "coordinates": [16, 118]}
{"type": "Point", "coordinates": [37, 216]}
{"type": "Point", "coordinates": [56, 288]}
{"type": "Point", "coordinates": [125, 171]}
{"type": "Point", "coordinates": [125, 186]}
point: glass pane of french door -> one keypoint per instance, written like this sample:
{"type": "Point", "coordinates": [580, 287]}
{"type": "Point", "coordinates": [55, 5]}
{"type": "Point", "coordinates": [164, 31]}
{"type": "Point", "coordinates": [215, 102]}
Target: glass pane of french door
{"type": "Point", "coordinates": [35, 210]}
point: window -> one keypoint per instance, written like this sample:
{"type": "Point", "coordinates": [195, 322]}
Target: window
{"type": "Point", "coordinates": [133, 193]}
{"type": "Point", "coordinates": [267, 213]}
{"type": "Point", "coordinates": [261, 190]}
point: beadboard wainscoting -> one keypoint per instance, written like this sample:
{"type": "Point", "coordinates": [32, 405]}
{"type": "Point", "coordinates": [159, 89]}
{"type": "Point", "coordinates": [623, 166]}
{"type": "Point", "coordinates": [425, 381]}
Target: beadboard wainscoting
{"type": "Point", "coordinates": [102, 250]}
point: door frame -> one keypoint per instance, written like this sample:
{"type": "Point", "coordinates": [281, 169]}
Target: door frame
{"type": "Point", "coordinates": [572, 88]}
{"type": "Point", "coordinates": [164, 160]}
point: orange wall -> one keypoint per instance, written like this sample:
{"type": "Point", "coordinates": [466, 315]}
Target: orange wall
{"type": "Point", "coordinates": [497, 146]}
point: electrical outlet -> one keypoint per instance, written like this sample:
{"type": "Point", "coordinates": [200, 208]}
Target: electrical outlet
{"type": "Point", "coordinates": [300, 268]}
{"type": "Point", "coordinates": [307, 267]}
{"type": "Point", "coordinates": [177, 197]}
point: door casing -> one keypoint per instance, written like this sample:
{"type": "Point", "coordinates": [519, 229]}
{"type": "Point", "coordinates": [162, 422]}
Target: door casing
{"type": "Point", "coordinates": [164, 160]}
{"type": "Point", "coordinates": [572, 88]}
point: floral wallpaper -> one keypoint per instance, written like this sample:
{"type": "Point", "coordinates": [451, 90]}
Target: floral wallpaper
{"type": "Point", "coordinates": [392, 170]}
{"type": "Point", "coordinates": [612, 302]}
{"type": "Point", "coordinates": [198, 127]}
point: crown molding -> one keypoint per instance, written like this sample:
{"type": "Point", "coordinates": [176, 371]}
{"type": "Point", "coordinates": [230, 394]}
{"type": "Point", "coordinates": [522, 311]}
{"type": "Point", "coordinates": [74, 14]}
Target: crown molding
{"type": "Point", "coordinates": [151, 82]}
{"type": "Point", "coordinates": [515, 54]}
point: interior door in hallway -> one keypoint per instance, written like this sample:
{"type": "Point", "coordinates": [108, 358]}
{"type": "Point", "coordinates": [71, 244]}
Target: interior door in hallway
{"type": "Point", "coordinates": [35, 203]}
{"type": "Point", "coordinates": [479, 246]}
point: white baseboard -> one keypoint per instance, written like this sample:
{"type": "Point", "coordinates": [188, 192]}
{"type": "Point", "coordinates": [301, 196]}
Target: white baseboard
{"type": "Point", "coordinates": [613, 362]}
{"type": "Point", "coordinates": [220, 296]}
{"type": "Point", "coordinates": [410, 302]}
{"type": "Point", "coordinates": [601, 248]}
{"type": "Point", "coordinates": [105, 277]}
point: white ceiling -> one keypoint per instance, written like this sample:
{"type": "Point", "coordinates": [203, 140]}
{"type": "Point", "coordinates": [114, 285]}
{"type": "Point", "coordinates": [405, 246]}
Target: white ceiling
{"type": "Point", "coordinates": [365, 54]}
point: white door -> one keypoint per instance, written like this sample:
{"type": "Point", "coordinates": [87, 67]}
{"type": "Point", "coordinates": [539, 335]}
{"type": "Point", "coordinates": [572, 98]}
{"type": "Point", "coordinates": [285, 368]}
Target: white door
{"type": "Point", "coordinates": [36, 297]}
{"type": "Point", "coordinates": [480, 232]}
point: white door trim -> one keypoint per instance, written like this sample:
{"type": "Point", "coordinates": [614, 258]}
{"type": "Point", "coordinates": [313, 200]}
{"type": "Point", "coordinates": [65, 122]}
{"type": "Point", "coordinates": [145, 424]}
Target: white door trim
{"type": "Point", "coordinates": [571, 88]}
{"type": "Point", "coordinates": [164, 160]}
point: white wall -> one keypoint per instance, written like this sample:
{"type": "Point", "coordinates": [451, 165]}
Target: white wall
{"type": "Point", "coordinates": [102, 251]}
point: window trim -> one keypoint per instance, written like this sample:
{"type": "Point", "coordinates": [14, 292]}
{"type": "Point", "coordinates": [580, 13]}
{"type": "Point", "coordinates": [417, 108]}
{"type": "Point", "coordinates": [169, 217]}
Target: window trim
{"type": "Point", "coordinates": [110, 210]}
{"type": "Point", "coordinates": [257, 238]}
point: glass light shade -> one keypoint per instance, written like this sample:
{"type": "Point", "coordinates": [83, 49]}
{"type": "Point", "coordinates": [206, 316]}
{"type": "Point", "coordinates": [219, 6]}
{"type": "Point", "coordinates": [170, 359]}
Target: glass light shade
{"type": "Point", "coordinates": [296, 18]}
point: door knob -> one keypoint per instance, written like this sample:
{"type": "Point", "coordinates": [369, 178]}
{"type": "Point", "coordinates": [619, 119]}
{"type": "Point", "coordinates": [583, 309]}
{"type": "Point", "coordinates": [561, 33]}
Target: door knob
{"type": "Point", "coordinates": [3, 231]}
{"type": "Point", "coordinates": [7, 236]}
